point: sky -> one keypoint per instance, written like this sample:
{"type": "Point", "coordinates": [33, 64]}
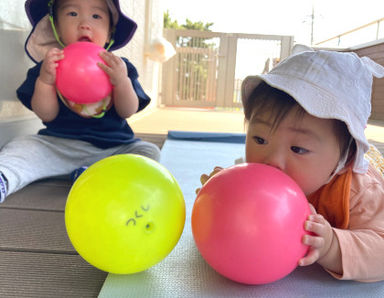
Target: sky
{"type": "Point", "coordinates": [281, 17]}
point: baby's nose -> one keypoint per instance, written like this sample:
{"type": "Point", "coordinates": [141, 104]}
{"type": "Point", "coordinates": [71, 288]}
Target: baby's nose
{"type": "Point", "coordinates": [275, 159]}
{"type": "Point", "coordinates": [85, 25]}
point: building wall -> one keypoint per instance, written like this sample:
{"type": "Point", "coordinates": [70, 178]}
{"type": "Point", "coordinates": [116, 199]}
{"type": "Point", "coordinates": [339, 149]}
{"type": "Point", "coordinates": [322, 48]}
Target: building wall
{"type": "Point", "coordinates": [148, 15]}
{"type": "Point", "coordinates": [14, 27]}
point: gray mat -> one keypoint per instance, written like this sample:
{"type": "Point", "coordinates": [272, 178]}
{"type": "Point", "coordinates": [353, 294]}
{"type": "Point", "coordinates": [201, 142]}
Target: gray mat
{"type": "Point", "coordinates": [185, 274]}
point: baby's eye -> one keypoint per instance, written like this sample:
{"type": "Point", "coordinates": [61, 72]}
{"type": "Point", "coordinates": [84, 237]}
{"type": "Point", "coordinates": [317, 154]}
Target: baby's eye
{"type": "Point", "coordinates": [259, 140]}
{"type": "Point", "coordinates": [299, 150]}
{"type": "Point", "coordinates": [72, 14]}
{"type": "Point", "coordinates": [96, 16]}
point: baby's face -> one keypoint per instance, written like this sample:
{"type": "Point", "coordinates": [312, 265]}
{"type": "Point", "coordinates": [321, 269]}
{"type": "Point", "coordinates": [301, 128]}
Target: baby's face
{"type": "Point", "coordinates": [83, 20]}
{"type": "Point", "coordinates": [306, 149]}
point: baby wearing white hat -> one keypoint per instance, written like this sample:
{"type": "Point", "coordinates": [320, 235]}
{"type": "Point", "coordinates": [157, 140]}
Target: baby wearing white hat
{"type": "Point", "coordinates": [307, 117]}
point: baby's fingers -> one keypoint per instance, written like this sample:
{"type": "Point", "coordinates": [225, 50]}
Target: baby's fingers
{"type": "Point", "coordinates": [112, 60]}
{"type": "Point", "coordinates": [59, 55]}
{"type": "Point", "coordinates": [310, 258]}
{"type": "Point", "coordinates": [105, 67]}
{"type": "Point", "coordinates": [204, 178]}
{"type": "Point", "coordinates": [215, 171]}
{"type": "Point", "coordinates": [313, 241]}
{"type": "Point", "coordinates": [313, 210]}
{"type": "Point", "coordinates": [316, 224]}
{"type": "Point", "coordinates": [55, 54]}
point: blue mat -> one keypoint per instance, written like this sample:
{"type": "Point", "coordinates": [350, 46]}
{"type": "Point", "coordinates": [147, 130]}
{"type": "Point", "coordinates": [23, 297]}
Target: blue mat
{"type": "Point", "coordinates": [237, 138]}
{"type": "Point", "coordinates": [183, 273]}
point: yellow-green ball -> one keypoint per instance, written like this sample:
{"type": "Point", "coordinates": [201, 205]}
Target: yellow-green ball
{"type": "Point", "coordinates": [125, 213]}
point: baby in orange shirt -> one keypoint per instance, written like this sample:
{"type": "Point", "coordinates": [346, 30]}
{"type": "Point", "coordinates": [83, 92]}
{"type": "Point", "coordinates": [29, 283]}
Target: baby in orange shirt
{"type": "Point", "coordinates": [307, 117]}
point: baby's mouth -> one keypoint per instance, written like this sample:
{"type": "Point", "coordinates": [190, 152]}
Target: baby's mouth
{"type": "Point", "coordinates": [85, 38]}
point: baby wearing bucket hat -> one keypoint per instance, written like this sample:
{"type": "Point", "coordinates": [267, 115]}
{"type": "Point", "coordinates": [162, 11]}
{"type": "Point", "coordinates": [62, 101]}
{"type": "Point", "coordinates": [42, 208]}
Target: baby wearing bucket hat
{"type": "Point", "coordinates": [106, 27]}
{"type": "Point", "coordinates": [69, 140]}
{"type": "Point", "coordinates": [307, 117]}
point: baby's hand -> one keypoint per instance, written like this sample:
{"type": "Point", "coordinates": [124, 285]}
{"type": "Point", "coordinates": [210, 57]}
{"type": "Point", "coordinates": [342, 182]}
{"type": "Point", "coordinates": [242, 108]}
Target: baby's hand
{"type": "Point", "coordinates": [48, 68]}
{"type": "Point", "coordinates": [115, 68]}
{"type": "Point", "coordinates": [319, 241]}
{"type": "Point", "coordinates": [204, 178]}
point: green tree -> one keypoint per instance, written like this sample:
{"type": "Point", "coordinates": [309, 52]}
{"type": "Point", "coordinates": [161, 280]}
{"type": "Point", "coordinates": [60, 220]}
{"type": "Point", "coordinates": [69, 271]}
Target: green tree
{"type": "Point", "coordinates": [197, 25]}
{"type": "Point", "coordinates": [169, 23]}
{"type": "Point", "coordinates": [189, 25]}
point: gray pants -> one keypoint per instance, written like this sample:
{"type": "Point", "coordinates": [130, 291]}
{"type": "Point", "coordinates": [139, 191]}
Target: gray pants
{"type": "Point", "coordinates": [30, 158]}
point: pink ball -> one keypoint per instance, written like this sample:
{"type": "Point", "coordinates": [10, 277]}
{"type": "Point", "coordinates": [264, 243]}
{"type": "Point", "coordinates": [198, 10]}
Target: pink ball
{"type": "Point", "coordinates": [79, 78]}
{"type": "Point", "coordinates": [248, 222]}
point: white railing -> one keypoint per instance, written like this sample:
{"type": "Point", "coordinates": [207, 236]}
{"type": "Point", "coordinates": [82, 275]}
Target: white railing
{"type": "Point", "coordinates": [359, 35]}
{"type": "Point", "coordinates": [208, 67]}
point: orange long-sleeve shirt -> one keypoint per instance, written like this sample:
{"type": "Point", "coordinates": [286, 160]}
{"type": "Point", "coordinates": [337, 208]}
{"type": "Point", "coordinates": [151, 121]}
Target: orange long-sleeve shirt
{"type": "Point", "coordinates": [356, 214]}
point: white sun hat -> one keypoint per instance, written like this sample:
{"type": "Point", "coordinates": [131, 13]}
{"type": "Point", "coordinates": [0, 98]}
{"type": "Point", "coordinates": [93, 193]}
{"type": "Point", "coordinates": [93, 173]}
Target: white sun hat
{"type": "Point", "coordinates": [329, 85]}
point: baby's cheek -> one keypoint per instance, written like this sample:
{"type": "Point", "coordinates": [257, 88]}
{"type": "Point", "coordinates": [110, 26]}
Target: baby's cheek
{"type": "Point", "coordinates": [308, 182]}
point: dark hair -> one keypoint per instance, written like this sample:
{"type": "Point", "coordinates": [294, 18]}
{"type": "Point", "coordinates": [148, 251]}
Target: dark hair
{"type": "Point", "coordinates": [265, 98]}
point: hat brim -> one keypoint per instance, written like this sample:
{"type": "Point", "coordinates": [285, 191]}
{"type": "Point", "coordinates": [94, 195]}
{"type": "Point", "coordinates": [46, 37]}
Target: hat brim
{"type": "Point", "coordinates": [36, 10]}
{"type": "Point", "coordinates": [124, 30]}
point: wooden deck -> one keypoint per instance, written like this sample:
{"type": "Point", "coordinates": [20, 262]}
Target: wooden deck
{"type": "Point", "coordinates": [36, 256]}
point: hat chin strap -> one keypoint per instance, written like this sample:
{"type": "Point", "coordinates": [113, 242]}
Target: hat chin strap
{"type": "Point", "coordinates": [55, 32]}
{"type": "Point", "coordinates": [50, 5]}
{"type": "Point", "coordinates": [110, 44]}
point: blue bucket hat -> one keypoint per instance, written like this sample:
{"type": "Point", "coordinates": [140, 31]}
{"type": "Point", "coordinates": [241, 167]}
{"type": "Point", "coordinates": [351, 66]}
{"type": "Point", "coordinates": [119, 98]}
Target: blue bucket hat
{"type": "Point", "coordinates": [42, 36]}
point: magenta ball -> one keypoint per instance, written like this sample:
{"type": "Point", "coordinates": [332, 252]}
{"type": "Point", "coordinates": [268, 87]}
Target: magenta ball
{"type": "Point", "coordinates": [248, 223]}
{"type": "Point", "coordinates": [79, 78]}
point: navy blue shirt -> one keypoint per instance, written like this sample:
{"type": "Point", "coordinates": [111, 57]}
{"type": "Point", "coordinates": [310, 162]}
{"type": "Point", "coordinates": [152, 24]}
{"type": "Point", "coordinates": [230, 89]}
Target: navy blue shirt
{"type": "Point", "coordinates": [105, 132]}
